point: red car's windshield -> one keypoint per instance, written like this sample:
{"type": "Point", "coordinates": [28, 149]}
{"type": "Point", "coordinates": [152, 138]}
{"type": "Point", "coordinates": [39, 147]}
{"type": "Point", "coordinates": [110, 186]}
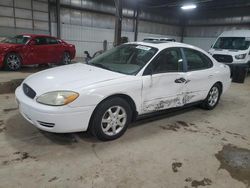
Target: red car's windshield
{"type": "Point", "coordinates": [19, 39]}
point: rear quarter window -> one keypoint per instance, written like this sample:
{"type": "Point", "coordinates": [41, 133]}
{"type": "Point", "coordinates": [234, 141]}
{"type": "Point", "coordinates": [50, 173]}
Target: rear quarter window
{"type": "Point", "coordinates": [196, 60]}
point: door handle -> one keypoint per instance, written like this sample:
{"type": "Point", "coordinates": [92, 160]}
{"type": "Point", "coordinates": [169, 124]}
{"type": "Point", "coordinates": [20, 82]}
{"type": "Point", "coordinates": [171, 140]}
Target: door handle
{"type": "Point", "coordinates": [180, 80]}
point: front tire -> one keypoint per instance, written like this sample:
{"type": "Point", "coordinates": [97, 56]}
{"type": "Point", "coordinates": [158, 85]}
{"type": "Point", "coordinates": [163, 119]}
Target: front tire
{"type": "Point", "coordinates": [213, 97]}
{"type": "Point", "coordinates": [111, 118]}
{"type": "Point", "coordinates": [12, 62]}
{"type": "Point", "coordinates": [66, 59]}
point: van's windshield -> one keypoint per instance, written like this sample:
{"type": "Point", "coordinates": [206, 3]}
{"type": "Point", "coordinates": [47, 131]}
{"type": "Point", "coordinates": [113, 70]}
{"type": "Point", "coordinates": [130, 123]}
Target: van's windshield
{"type": "Point", "coordinates": [232, 43]}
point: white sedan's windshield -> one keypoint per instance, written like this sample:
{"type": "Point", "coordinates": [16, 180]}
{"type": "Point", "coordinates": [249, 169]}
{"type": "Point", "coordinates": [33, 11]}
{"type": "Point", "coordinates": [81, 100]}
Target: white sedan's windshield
{"type": "Point", "coordinates": [126, 59]}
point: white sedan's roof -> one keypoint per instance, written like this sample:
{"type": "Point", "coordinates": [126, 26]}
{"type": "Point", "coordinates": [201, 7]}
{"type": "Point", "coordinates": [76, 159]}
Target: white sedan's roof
{"type": "Point", "coordinates": [164, 45]}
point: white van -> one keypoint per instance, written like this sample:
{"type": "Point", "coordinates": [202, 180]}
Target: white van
{"type": "Point", "coordinates": [232, 48]}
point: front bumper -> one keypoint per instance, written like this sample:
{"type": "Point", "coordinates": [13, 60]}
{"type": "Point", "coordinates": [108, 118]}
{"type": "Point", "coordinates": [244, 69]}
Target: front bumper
{"type": "Point", "coordinates": [62, 119]}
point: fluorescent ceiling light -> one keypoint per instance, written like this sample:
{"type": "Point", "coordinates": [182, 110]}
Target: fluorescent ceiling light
{"type": "Point", "coordinates": [188, 7]}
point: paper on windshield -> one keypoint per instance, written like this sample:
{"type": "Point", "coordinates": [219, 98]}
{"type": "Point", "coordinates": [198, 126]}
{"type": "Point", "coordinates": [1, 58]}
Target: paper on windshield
{"type": "Point", "coordinates": [143, 48]}
{"type": "Point", "coordinates": [247, 39]}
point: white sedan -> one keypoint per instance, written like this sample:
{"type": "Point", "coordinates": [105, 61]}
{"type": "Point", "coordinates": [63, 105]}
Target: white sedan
{"type": "Point", "coordinates": [113, 89]}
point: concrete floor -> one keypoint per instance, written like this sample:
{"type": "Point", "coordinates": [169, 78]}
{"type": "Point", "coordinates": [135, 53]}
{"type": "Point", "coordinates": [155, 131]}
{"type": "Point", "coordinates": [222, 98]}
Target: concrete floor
{"type": "Point", "coordinates": [176, 150]}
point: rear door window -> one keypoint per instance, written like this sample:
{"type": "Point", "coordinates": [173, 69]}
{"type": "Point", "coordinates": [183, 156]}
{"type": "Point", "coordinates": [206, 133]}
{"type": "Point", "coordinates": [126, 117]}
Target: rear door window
{"type": "Point", "coordinates": [41, 41]}
{"type": "Point", "coordinates": [197, 60]}
{"type": "Point", "coordinates": [52, 41]}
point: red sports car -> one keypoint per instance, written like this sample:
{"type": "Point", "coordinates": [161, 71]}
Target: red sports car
{"type": "Point", "coordinates": [31, 49]}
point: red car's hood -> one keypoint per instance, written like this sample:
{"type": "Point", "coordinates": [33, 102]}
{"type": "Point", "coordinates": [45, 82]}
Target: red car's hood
{"type": "Point", "coordinates": [5, 46]}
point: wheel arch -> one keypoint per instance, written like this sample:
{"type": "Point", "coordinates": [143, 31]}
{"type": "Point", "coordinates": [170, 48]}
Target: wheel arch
{"type": "Point", "coordinates": [126, 97]}
{"type": "Point", "coordinates": [13, 51]}
{"type": "Point", "coordinates": [221, 85]}
{"type": "Point", "coordinates": [9, 52]}
{"type": "Point", "coordinates": [68, 51]}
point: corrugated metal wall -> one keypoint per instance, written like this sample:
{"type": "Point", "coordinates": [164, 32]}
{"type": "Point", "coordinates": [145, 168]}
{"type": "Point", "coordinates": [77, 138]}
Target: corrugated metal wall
{"type": "Point", "coordinates": [87, 30]}
{"type": "Point", "coordinates": [23, 16]}
{"type": "Point", "coordinates": [203, 32]}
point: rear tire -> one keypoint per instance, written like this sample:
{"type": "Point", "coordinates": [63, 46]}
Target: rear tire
{"type": "Point", "coordinates": [213, 97]}
{"type": "Point", "coordinates": [12, 62]}
{"type": "Point", "coordinates": [66, 59]}
{"type": "Point", "coordinates": [111, 118]}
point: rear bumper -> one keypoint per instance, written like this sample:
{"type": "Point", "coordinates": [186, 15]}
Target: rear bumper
{"type": "Point", "coordinates": [1, 61]}
{"type": "Point", "coordinates": [234, 66]}
{"type": "Point", "coordinates": [72, 53]}
{"type": "Point", "coordinates": [226, 85]}
{"type": "Point", "coordinates": [239, 72]}
{"type": "Point", "coordinates": [63, 119]}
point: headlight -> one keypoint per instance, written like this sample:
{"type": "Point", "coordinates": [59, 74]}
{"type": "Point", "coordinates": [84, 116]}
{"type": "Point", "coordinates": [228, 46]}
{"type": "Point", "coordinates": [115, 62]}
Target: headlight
{"type": "Point", "coordinates": [241, 56]}
{"type": "Point", "coordinates": [57, 98]}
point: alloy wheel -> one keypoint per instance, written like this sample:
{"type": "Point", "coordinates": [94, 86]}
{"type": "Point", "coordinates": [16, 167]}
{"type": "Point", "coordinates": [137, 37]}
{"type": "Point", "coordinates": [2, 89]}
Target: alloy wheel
{"type": "Point", "coordinates": [13, 62]}
{"type": "Point", "coordinates": [213, 96]}
{"type": "Point", "coordinates": [66, 59]}
{"type": "Point", "coordinates": [114, 120]}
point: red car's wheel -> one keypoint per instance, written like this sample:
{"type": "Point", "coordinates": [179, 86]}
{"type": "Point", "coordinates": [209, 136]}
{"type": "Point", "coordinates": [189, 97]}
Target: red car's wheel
{"type": "Point", "coordinates": [66, 58]}
{"type": "Point", "coordinates": [12, 62]}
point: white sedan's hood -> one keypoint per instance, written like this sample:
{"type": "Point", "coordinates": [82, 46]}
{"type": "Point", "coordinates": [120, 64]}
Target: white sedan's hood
{"type": "Point", "coordinates": [69, 77]}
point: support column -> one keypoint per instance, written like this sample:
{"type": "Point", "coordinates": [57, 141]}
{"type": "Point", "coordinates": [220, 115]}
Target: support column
{"type": "Point", "coordinates": [58, 20]}
{"type": "Point", "coordinates": [49, 7]}
{"type": "Point", "coordinates": [183, 27]}
{"type": "Point", "coordinates": [136, 22]}
{"type": "Point", "coordinates": [118, 22]}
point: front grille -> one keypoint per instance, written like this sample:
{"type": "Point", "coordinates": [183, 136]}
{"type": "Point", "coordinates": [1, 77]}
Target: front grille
{"type": "Point", "coordinates": [29, 91]}
{"type": "Point", "coordinates": [223, 58]}
{"type": "Point", "coordinates": [46, 124]}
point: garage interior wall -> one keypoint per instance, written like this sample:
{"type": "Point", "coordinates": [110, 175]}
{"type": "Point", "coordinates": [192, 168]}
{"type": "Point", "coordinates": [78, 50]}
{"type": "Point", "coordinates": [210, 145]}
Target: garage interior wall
{"type": "Point", "coordinates": [87, 27]}
{"type": "Point", "coordinates": [87, 23]}
{"type": "Point", "coordinates": [23, 16]}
